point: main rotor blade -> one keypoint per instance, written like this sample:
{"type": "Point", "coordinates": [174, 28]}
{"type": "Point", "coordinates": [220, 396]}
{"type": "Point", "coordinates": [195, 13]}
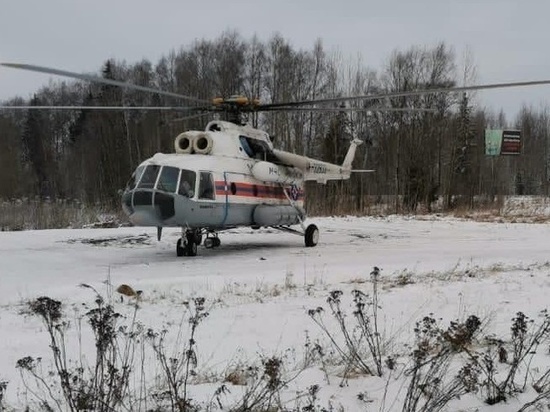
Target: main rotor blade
{"type": "Point", "coordinates": [406, 93]}
{"type": "Point", "coordinates": [164, 108]}
{"type": "Point", "coordinates": [181, 119]}
{"type": "Point", "coordinates": [348, 109]}
{"type": "Point", "coordinates": [97, 79]}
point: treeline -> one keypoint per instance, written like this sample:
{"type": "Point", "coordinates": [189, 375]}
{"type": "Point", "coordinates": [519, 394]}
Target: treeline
{"type": "Point", "coordinates": [419, 156]}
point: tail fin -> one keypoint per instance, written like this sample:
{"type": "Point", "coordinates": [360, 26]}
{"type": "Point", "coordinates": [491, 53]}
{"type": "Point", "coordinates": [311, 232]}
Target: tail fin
{"type": "Point", "coordinates": [350, 155]}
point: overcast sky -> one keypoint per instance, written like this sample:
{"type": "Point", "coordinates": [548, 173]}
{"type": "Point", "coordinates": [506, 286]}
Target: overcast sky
{"type": "Point", "coordinates": [509, 40]}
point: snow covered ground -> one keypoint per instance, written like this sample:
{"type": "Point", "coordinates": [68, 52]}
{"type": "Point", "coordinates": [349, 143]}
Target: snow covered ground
{"type": "Point", "coordinates": [260, 283]}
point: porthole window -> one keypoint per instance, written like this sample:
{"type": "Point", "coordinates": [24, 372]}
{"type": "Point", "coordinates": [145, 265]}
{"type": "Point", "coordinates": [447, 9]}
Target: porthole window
{"type": "Point", "coordinates": [233, 188]}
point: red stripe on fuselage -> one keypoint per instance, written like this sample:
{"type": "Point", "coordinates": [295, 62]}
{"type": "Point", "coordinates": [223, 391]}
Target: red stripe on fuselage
{"type": "Point", "coordinates": [243, 189]}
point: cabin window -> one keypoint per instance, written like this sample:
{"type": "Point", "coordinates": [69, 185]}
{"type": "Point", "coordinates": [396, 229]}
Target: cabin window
{"type": "Point", "coordinates": [149, 177]}
{"type": "Point", "coordinates": [233, 188]}
{"type": "Point", "coordinates": [206, 186]}
{"type": "Point", "coordinates": [168, 180]}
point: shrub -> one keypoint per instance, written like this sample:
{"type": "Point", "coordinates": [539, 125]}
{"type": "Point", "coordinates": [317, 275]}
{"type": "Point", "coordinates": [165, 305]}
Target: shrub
{"type": "Point", "coordinates": [101, 386]}
{"type": "Point", "coordinates": [361, 347]}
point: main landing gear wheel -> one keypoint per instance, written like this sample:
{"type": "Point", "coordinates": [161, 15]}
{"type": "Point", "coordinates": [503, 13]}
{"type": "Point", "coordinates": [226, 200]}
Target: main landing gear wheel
{"type": "Point", "coordinates": [311, 236]}
{"type": "Point", "coordinates": [211, 242]}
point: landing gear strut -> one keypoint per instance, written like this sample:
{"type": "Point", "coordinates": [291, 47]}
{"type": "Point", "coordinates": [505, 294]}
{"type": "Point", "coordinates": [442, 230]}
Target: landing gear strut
{"type": "Point", "coordinates": [187, 244]}
{"type": "Point", "coordinates": [310, 234]}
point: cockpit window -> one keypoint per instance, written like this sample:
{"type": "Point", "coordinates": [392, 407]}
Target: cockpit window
{"type": "Point", "coordinates": [187, 183]}
{"type": "Point", "coordinates": [168, 180]}
{"type": "Point", "coordinates": [257, 149]}
{"type": "Point", "coordinates": [135, 177]}
{"type": "Point", "coordinates": [206, 186]}
{"type": "Point", "coordinates": [149, 177]}
{"type": "Point", "coordinates": [244, 143]}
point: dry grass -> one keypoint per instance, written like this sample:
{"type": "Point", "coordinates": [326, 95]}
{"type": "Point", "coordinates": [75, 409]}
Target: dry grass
{"type": "Point", "coordinates": [27, 214]}
{"type": "Point", "coordinates": [513, 209]}
{"type": "Point", "coordinates": [500, 209]}
{"type": "Point", "coordinates": [521, 209]}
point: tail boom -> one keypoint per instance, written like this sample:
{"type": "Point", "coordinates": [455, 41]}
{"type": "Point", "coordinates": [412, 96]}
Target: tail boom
{"type": "Point", "coordinates": [318, 171]}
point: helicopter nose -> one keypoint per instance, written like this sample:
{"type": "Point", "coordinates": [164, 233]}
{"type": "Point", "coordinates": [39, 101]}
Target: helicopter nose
{"type": "Point", "coordinates": [143, 217]}
{"type": "Point", "coordinates": [148, 207]}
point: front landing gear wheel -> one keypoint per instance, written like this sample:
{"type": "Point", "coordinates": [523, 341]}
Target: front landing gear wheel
{"type": "Point", "coordinates": [187, 244]}
{"type": "Point", "coordinates": [190, 248]}
{"type": "Point", "coordinates": [180, 251]}
{"type": "Point", "coordinates": [311, 236]}
{"type": "Point", "coordinates": [198, 238]}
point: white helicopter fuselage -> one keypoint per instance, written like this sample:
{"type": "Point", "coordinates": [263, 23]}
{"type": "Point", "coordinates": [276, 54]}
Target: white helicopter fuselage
{"type": "Point", "coordinates": [226, 195]}
{"type": "Point", "coordinates": [226, 176]}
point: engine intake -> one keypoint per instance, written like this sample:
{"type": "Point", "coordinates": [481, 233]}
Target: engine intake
{"type": "Point", "coordinates": [184, 143]}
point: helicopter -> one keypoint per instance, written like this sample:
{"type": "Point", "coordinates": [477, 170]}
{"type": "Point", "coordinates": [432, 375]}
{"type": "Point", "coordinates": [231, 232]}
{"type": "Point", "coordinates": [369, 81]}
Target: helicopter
{"type": "Point", "coordinates": [230, 174]}
{"type": "Point", "coordinates": [226, 176]}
